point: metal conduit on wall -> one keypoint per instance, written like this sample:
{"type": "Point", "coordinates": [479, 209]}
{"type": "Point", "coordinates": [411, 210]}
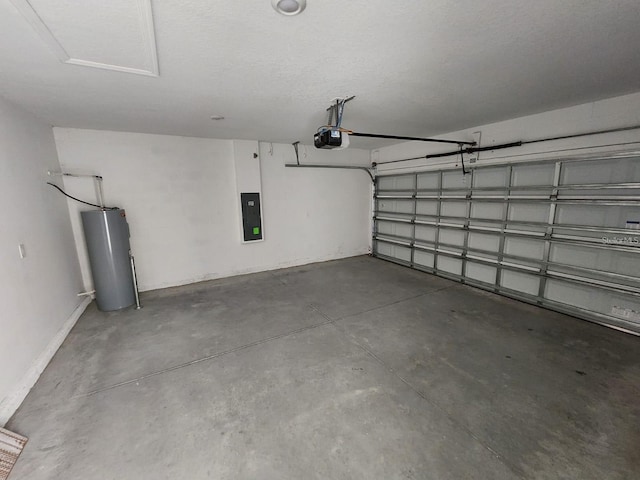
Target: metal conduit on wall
{"type": "Point", "coordinates": [561, 234]}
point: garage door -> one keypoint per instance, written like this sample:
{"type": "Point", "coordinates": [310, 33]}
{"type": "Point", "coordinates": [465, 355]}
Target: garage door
{"type": "Point", "coordinates": [563, 234]}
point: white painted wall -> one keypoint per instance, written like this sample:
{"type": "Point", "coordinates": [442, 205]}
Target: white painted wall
{"type": "Point", "coordinates": [180, 198]}
{"type": "Point", "coordinates": [248, 175]}
{"type": "Point", "coordinates": [605, 114]}
{"type": "Point", "coordinates": [38, 293]}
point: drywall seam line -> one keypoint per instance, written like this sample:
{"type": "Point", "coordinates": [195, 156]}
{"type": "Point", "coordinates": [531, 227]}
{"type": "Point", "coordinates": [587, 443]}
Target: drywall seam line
{"type": "Point", "coordinates": [204, 359]}
{"type": "Point", "coordinates": [453, 420]}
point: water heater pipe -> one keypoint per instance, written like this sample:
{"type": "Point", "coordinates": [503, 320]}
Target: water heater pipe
{"type": "Point", "coordinates": [97, 183]}
{"type": "Point", "coordinates": [135, 281]}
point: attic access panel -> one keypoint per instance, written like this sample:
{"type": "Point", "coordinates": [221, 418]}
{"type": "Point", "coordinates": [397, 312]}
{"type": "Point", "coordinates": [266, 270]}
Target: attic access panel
{"type": "Point", "coordinates": [564, 235]}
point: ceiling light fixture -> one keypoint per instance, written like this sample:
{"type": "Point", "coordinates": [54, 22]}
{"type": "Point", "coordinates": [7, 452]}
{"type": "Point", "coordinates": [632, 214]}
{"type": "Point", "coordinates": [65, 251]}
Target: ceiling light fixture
{"type": "Point", "coordinates": [289, 7]}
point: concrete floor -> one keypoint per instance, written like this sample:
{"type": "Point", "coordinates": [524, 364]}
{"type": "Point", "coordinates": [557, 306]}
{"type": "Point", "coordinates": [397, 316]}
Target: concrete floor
{"type": "Point", "coordinates": [351, 369]}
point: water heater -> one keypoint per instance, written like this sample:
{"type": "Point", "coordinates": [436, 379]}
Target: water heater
{"type": "Point", "coordinates": [106, 233]}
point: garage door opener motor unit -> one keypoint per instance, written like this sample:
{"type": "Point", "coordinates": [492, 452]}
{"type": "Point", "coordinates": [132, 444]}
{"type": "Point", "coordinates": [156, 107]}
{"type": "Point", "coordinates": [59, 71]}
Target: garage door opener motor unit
{"type": "Point", "coordinates": [335, 137]}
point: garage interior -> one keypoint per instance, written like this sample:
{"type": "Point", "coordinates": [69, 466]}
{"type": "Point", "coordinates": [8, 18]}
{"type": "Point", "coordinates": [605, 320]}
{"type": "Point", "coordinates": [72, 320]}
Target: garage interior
{"type": "Point", "coordinates": [452, 294]}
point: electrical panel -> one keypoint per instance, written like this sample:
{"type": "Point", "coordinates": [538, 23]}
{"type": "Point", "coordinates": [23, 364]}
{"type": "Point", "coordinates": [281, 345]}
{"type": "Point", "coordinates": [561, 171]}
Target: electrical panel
{"type": "Point", "coordinates": [251, 217]}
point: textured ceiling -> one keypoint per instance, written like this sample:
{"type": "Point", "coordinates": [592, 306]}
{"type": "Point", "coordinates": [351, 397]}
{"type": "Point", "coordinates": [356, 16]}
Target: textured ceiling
{"type": "Point", "coordinates": [417, 68]}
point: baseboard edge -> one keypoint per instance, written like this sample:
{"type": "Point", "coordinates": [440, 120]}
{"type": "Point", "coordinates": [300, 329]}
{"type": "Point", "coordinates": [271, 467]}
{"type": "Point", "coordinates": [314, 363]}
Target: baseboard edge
{"type": "Point", "coordinates": [12, 402]}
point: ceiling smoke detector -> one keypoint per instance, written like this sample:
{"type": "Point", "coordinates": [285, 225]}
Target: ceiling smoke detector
{"type": "Point", "coordinates": [289, 7]}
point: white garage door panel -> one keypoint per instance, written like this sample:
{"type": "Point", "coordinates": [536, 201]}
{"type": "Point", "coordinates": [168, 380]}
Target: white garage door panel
{"type": "Point", "coordinates": [529, 212]}
{"type": "Point", "coordinates": [395, 229]}
{"type": "Point", "coordinates": [395, 251]}
{"type": "Point", "coordinates": [482, 241]}
{"type": "Point", "coordinates": [400, 182]}
{"type": "Point", "coordinates": [423, 259]}
{"type": "Point", "coordinates": [624, 263]}
{"type": "Point", "coordinates": [491, 177]}
{"type": "Point", "coordinates": [481, 273]}
{"type": "Point", "coordinates": [452, 180]}
{"type": "Point", "coordinates": [608, 171]}
{"type": "Point", "coordinates": [450, 265]}
{"type": "Point", "coordinates": [576, 295]}
{"type": "Point", "coordinates": [626, 307]}
{"type": "Point", "coordinates": [522, 247]}
{"type": "Point", "coordinates": [427, 207]}
{"type": "Point", "coordinates": [452, 237]}
{"type": "Point", "coordinates": [425, 233]}
{"type": "Point", "coordinates": [454, 209]}
{"type": "Point", "coordinates": [562, 234]}
{"type": "Point", "coordinates": [428, 181]}
{"type": "Point", "coordinates": [485, 210]}
{"type": "Point", "coordinates": [597, 215]}
{"type": "Point", "coordinates": [397, 206]}
{"type": "Point", "coordinates": [533, 175]}
{"type": "Point", "coordinates": [520, 282]}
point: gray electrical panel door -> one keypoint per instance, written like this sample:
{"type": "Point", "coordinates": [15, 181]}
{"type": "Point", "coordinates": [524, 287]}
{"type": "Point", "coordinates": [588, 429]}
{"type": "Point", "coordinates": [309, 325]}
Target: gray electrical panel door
{"type": "Point", "coordinates": [106, 233]}
{"type": "Point", "coordinates": [251, 217]}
